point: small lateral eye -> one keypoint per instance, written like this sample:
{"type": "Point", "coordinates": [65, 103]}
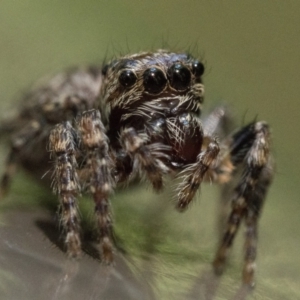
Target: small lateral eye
{"type": "Point", "coordinates": [154, 80]}
{"type": "Point", "coordinates": [127, 78]}
{"type": "Point", "coordinates": [179, 77]}
{"type": "Point", "coordinates": [197, 68]}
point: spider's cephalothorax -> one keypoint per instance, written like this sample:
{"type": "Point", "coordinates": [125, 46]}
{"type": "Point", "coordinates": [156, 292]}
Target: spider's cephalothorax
{"type": "Point", "coordinates": [154, 99]}
{"type": "Point", "coordinates": [138, 115]}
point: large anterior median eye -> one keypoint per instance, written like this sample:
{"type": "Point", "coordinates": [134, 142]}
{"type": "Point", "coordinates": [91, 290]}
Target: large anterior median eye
{"type": "Point", "coordinates": [127, 78]}
{"type": "Point", "coordinates": [154, 80]}
{"type": "Point", "coordinates": [179, 77]}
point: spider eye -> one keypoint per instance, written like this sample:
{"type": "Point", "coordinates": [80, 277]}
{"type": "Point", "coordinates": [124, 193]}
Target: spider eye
{"type": "Point", "coordinates": [154, 80]}
{"type": "Point", "coordinates": [179, 77]}
{"type": "Point", "coordinates": [127, 78]}
{"type": "Point", "coordinates": [197, 68]}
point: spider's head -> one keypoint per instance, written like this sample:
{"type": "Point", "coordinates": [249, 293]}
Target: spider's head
{"type": "Point", "coordinates": [151, 85]}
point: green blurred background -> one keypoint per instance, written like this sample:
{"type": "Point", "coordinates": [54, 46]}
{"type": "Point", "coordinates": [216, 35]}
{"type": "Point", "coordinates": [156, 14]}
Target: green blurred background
{"type": "Point", "coordinates": [252, 54]}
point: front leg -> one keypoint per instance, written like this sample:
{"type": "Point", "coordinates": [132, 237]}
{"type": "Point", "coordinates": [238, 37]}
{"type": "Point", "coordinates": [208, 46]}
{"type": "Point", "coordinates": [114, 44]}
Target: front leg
{"type": "Point", "coordinates": [63, 148]}
{"type": "Point", "coordinates": [194, 174]}
{"type": "Point", "coordinates": [148, 158]}
{"type": "Point", "coordinates": [100, 182]}
{"type": "Point", "coordinates": [192, 152]}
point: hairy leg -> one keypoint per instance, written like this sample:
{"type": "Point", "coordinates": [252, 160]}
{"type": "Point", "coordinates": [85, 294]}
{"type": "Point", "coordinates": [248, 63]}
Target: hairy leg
{"type": "Point", "coordinates": [194, 174]}
{"type": "Point", "coordinates": [249, 147]}
{"type": "Point", "coordinates": [62, 147]}
{"type": "Point", "coordinates": [100, 182]}
{"type": "Point", "coordinates": [147, 158]}
{"type": "Point", "coordinates": [251, 219]}
{"type": "Point", "coordinates": [220, 122]}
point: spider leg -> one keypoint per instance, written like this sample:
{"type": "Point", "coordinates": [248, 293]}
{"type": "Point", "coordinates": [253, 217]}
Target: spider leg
{"type": "Point", "coordinates": [220, 122]}
{"type": "Point", "coordinates": [101, 183]}
{"type": "Point", "coordinates": [194, 174]}
{"type": "Point", "coordinates": [19, 141]}
{"type": "Point", "coordinates": [251, 220]}
{"type": "Point", "coordinates": [63, 148]}
{"type": "Point", "coordinates": [250, 147]}
{"type": "Point", "coordinates": [148, 157]}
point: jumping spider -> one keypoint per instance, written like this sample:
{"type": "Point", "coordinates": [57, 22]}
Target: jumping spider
{"type": "Point", "coordinates": [138, 115]}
